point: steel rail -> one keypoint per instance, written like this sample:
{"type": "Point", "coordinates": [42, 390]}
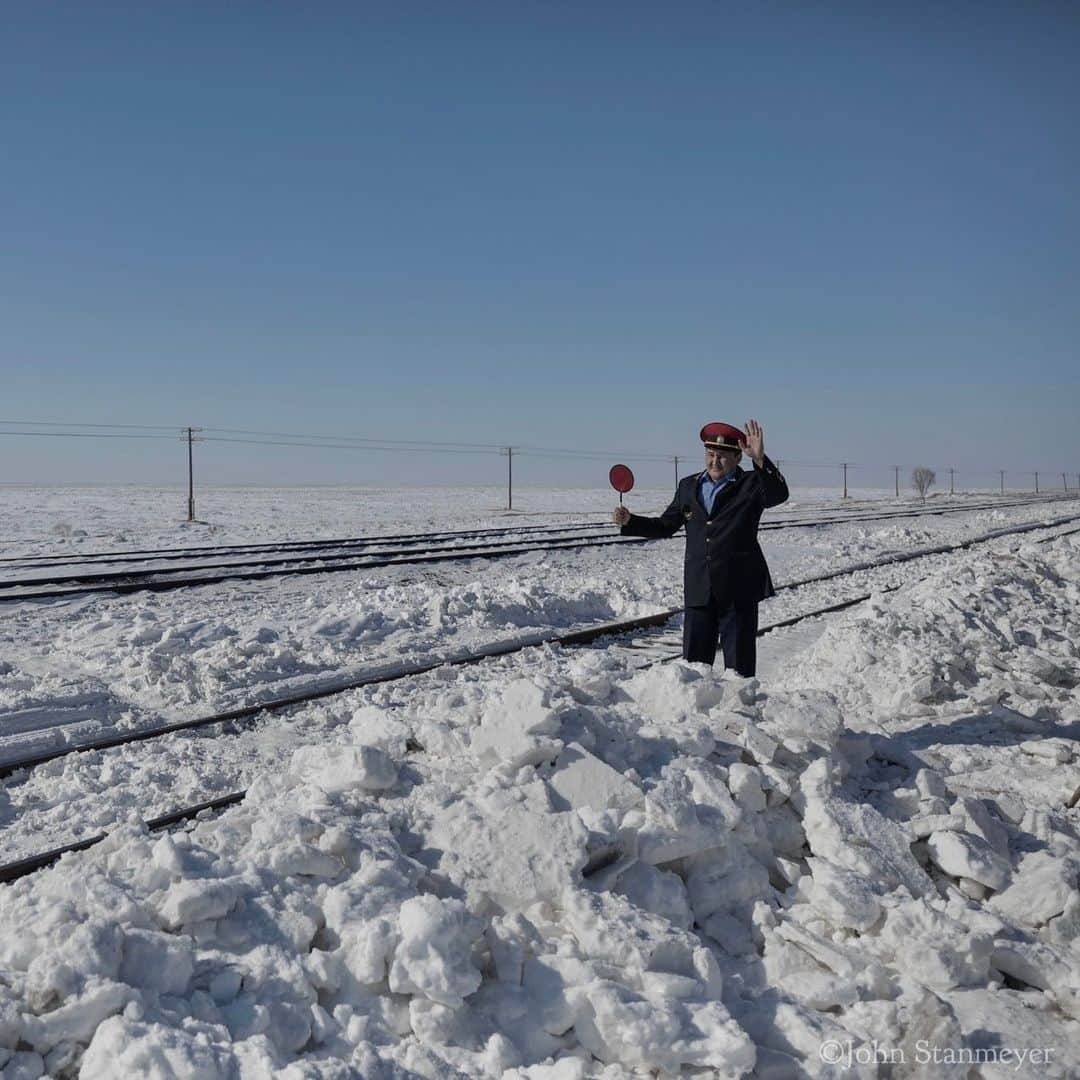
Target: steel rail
{"type": "Point", "coordinates": [30, 864]}
{"type": "Point", "coordinates": [174, 554]}
{"type": "Point", "coordinates": [124, 576]}
{"type": "Point", "coordinates": [393, 672]}
{"type": "Point", "coordinates": [151, 580]}
{"type": "Point", "coordinates": [146, 554]}
{"type": "Point", "coordinates": [27, 865]}
{"type": "Point", "coordinates": [912, 513]}
{"type": "Point", "coordinates": [1056, 536]}
{"type": "Point", "coordinates": [167, 585]}
{"type": "Point", "coordinates": [12, 871]}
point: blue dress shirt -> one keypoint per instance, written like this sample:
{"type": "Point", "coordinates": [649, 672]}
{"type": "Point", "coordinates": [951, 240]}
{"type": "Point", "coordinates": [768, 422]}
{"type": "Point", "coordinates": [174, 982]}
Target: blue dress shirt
{"type": "Point", "coordinates": [708, 488]}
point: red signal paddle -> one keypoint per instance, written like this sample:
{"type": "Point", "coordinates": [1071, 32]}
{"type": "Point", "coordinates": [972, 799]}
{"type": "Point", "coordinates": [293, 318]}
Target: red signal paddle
{"type": "Point", "coordinates": [622, 479]}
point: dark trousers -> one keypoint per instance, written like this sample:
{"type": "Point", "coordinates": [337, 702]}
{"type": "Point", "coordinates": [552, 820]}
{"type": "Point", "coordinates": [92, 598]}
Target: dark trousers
{"type": "Point", "coordinates": [734, 629]}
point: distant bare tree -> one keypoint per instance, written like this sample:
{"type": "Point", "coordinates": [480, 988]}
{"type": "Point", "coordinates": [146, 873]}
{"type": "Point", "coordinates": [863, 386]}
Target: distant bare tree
{"type": "Point", "coordinates": [922, 479]}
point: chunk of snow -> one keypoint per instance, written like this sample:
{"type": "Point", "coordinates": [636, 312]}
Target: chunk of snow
{"type": "Point", "coordinates": [195, 900]}
{"type": "Point", "coordinates": [151, 1051]}
{"type": "Point", "coordinates": [342, 768]}
{"type": "Point", "coordinates": [507, 853]}
{"type": "Point", "coordinates": [156, 961]}
{"type": "Point", "coordinates": [653, 1033]}
{"type": "Point", "coordinates": [1040, 888]}
{"type": "Point", "coordinates": [518, 727]}
{"type": "Point", "coordinates": [433, 956]}
{"type": "Point", "coordinates": [964, 855]}
{"type": "Point", "coordinates": [583, 780]}
{"type": "Point", "coordinates": [744, 782]}
{"type": "Point", "coordinates": [843, 897]}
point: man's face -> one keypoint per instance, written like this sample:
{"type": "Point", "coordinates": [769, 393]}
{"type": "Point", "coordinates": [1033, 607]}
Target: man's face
{"type": "Point", "coordinates": [720, 462]}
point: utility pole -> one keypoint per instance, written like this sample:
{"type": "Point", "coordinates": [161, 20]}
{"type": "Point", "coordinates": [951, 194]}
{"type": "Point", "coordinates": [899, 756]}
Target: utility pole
{"type": "Point", "coordinates": [191, 474]}
{"type": "Point", "coordinates": [509, 452]}
{"type": "Point", "coordinates": [896, 477]}
{"type": "Point", "coordinates": [952, 487]}
{"type": "Point", "coordinates": [1001, 472]}
{"type": "Point", "coordinates": [845, 479]}
{"type": "Point", "coordinates": [1036, 483]}
{"type": "Point", "coordinates": [676, 470]}
{"type": "Point", "coordinates": [1064, 482]}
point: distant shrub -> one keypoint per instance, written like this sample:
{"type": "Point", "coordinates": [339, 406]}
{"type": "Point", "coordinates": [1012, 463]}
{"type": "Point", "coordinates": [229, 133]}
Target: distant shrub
{"type": "Point", "coordinates": [922, 480]}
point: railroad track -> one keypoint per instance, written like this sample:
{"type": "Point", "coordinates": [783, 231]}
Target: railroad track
{"type": "Point", "coordinates": [450, 549]}
{"type": "Point", "coordinates": [350, 543]}
{"type": "Point", "coordinates": [129, 581]}
{"type": "Point", "coordinates": [162, 554]}
{"type": "Point", "coordinates": [391, 672]}
{"type": "Point", "coordinates": [16, 869]}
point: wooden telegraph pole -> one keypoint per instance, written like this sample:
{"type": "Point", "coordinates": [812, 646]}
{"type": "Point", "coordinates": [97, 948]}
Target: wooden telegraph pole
{"type": "Point", "coordinates": [676, 470]}
{"type": "Point", "coordinates": [1002, 474]}
{"type": "Point", "coordinates": [845, 479]}
{"type": "Point", "coordinates": [896, 477]}
{"type": "Point", "coordinates": [952, 487]}
{"type": "Point", "coordinates": [509, 452]}
{"type": "Point", "coordinates": [191, 473]}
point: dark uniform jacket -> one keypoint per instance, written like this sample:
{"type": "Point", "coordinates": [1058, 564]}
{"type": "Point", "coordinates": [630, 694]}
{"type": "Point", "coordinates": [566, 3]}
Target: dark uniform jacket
{"type": "Point", "coordinates": [724, 562]}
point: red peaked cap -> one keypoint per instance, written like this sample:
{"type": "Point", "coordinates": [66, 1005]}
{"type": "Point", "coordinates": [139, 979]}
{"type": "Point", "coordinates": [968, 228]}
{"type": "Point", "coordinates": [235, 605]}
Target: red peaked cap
{"type": "Point", "coordinates": [723, 436]}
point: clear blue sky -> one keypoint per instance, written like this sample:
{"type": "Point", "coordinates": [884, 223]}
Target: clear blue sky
{"type": "Point", "coordinates": [592, 225]}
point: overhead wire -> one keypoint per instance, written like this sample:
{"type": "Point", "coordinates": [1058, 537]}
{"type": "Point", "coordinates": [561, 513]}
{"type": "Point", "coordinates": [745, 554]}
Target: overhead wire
{"type": "Point", "coordinates": [419, 449]}
{"type": "Point", "coordinates": [72, 424]}
{"type": "Point", "coordinates": [87, 435]}
{"type": "Point", "coordinates": [419, 443]}
{"type": "Point", "coordinates": [258, 437]}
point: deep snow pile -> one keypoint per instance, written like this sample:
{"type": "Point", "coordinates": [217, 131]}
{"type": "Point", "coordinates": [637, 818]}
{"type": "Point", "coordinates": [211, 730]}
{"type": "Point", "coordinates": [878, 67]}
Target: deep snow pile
{"type": "Point", "coordinates": [587, 869]}
{"type": "Point", "coordinates": [970, 671]}
{"type": "Point", "coordinates": [78, 668]}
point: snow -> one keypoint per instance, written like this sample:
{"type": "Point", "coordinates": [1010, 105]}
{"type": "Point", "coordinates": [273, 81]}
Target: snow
{"type": "Point", "coordinates": [560, 863]}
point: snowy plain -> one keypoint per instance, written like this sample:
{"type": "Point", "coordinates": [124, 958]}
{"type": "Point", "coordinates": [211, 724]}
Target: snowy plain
{"type": "Point", "coordinates": [559, 863]}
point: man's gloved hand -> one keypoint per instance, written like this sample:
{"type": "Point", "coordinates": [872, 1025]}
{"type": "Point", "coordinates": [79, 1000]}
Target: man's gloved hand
{"type": "Point", "coordinates": [621, 516]}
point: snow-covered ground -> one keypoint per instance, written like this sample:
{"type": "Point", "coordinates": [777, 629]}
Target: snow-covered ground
{"type": "Point", "coordinates": [585, 863]}
{"type": "Point", "coordinates": [55, 520]}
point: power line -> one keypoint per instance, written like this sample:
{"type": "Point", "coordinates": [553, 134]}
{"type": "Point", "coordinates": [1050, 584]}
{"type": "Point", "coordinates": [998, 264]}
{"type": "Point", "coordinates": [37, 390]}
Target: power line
{"type": "Point", "coordinates": [417, 443]}
{"type": "Point", "coordinates": [606, 455]}
{"type": "Point", "coordinates": [88, 434]}
{"type": "Point", "coordinates": [244, 436]}
{"type": "Point", "coordinates": [53, 423]}
{"type": "Point", "coordinates": [392, 448]}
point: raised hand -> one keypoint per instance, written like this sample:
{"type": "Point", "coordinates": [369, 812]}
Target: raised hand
{"type": "Point", "coordinates": [755, 441]}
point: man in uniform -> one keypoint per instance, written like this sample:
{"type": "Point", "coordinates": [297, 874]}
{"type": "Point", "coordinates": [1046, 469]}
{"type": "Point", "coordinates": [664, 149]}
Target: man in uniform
{"type": "Point", "coordinates": [724, 575]}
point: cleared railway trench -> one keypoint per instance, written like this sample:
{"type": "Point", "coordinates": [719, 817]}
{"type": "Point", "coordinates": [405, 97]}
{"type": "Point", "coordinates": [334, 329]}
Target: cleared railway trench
{"type": "Point", "coordinates": [614, 635]}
